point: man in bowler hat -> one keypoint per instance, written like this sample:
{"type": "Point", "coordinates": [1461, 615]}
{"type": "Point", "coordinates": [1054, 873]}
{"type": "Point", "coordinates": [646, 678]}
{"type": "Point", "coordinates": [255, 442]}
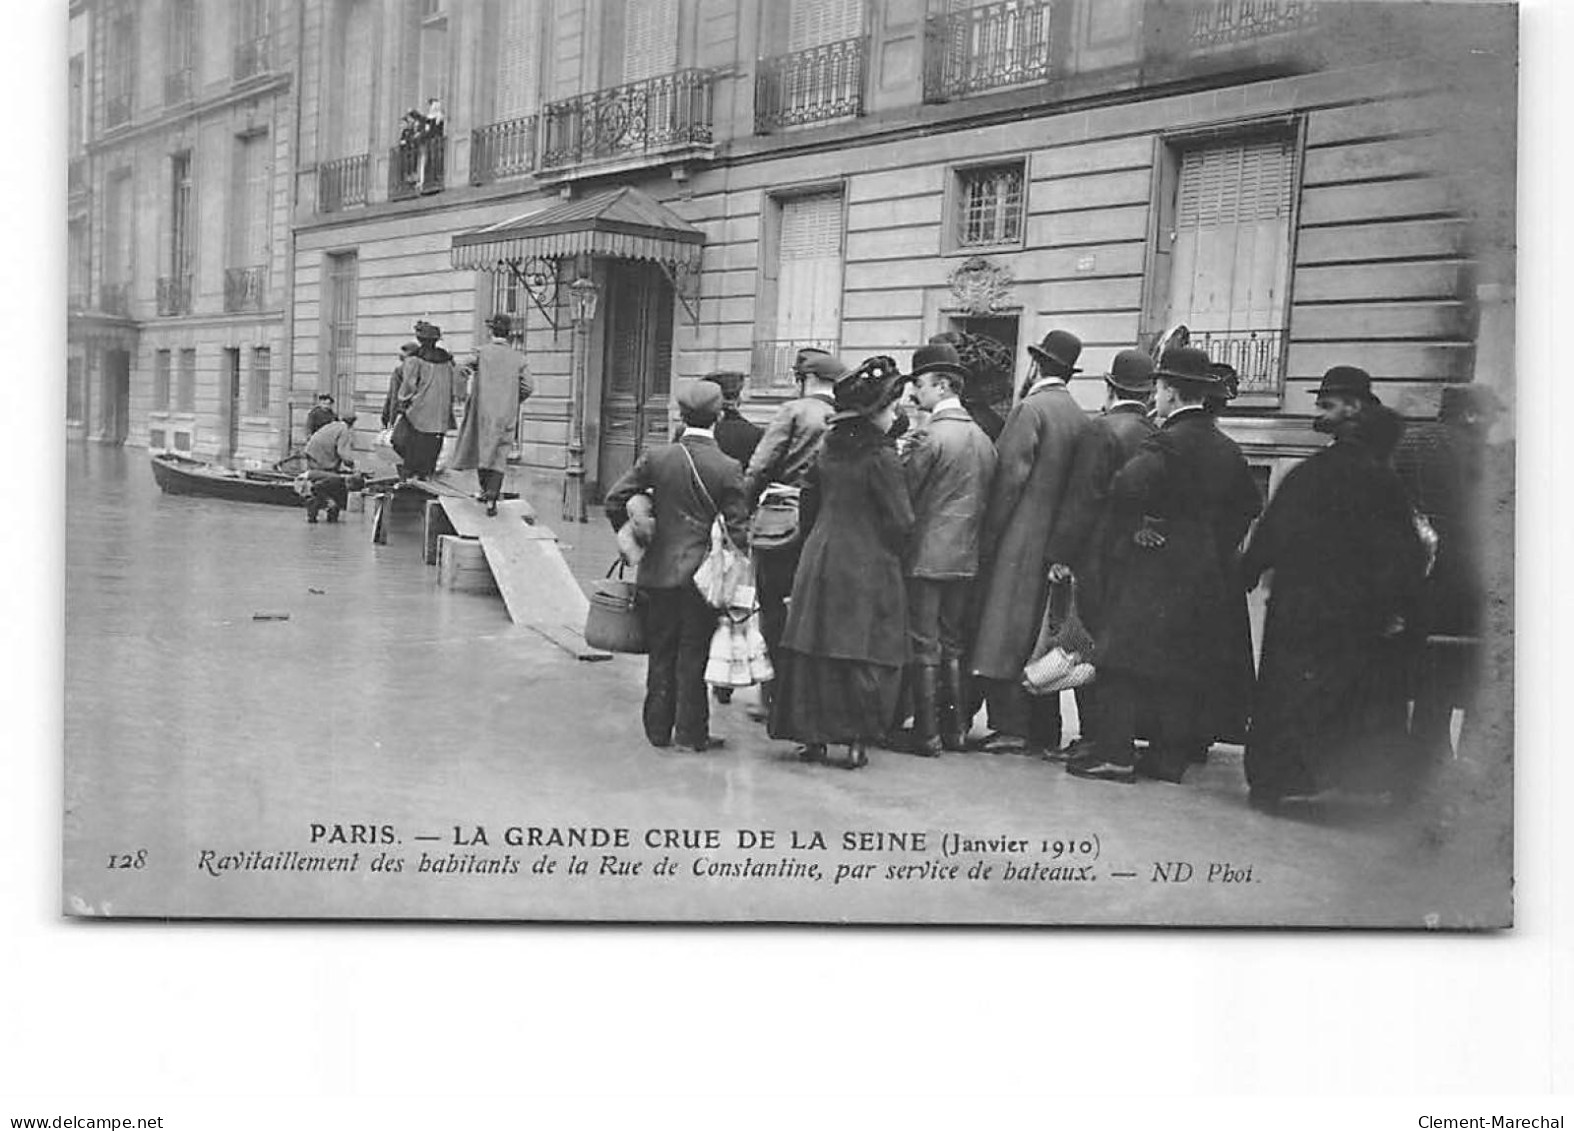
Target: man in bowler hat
{"type": "Point", "coordinates": [948, 465]}
{"type": "Point", "coordinates": [1030, 525]}
{"type": "Point", "coordinates": [1174, 632]}
{"type": "Point", "coordinates": [1113, 439]}
{"type": "Point", "coordinates": [782, 460]}
{"type": "Point", "coordinates": [691, 481]}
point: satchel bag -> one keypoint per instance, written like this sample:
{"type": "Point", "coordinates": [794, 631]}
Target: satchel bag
{"type": "Point", "coordinates": [774, 525]}
{"type": "Point", "coordinates": [1061, 657]}
{"type": "Point", "coordinates": [615, 622]}
{"type": "Point", "coordinates": [724, 567]}
{"type": "Point", "coordinates": [400, 435]}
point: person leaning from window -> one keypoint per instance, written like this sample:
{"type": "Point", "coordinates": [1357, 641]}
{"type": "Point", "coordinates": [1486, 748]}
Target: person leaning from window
{"type": "Point", "coordinates": [690, 481]}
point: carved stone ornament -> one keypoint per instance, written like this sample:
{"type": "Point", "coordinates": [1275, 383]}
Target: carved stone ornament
{"type": "Point", "coordinates": [982, 287]}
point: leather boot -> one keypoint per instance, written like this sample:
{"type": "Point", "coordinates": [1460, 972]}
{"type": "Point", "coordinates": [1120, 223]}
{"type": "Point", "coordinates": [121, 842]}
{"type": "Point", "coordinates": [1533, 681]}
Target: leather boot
{"type": "Point", "coordinates": [953, 720]}
{"type": "Point", "coordinates": [926, 742]}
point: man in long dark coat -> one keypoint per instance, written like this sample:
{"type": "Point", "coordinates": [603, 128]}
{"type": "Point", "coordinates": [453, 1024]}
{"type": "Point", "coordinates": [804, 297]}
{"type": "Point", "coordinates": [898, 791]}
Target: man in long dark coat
{"type": "Point", "coordinates": [499, 381]}
{"type": "Point", "coordinates": [1330, 708]}
{"type": "Point", "coordinates": [948, 465]}
{"type": "Point", "coordinates": [1171, 638]}
{"type": "Point", "coordinates": [1031, 524]}
{"type": "Point", "coordinates": [1114, 438]}
{"type": "Point", "coordinates": [785, 455]}
{"type": "Point", "coordinates": [691, 481]}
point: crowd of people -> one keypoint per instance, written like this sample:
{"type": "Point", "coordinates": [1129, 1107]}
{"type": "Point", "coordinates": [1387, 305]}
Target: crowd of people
{"type": "Point", "coordinates": [906, 542]}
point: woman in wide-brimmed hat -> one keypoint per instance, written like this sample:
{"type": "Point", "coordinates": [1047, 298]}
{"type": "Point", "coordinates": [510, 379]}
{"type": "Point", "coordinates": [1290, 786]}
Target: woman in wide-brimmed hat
{"type": "Point", "coordinates": [846, 638]}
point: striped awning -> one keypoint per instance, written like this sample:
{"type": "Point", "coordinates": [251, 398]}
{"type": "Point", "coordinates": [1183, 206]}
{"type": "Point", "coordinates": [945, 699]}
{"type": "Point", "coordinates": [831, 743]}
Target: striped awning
{"type": "Point", "coordinates": [621, 224]}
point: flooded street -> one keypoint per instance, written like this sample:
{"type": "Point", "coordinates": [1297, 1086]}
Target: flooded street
{"type": "Point", "coordinates": [417, 716]}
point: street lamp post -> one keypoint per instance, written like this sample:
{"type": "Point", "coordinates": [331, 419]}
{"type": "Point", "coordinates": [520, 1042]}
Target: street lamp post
{"type": "Point", "coordinates": [583, 297]}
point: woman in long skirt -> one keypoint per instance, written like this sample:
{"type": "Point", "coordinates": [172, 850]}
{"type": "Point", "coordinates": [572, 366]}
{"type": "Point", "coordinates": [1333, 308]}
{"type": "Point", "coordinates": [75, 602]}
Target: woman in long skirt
{"type": "Point", "coordinates": [845, 643]}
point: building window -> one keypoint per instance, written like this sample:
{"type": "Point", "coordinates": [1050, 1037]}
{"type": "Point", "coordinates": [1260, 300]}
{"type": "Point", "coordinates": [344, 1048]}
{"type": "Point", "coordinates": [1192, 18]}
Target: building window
{"type": "Point", "coordinates": [1229, 253]}
{"type": "Point", "coordinates": [971, 47]}
{"type": "Point", "coordinates": [161, 380]}
{"type": "Point", "coordinates": [118, 223]}
{"type": "Point", "coordinates": [509, 297]}
{"type": "Point", "coordinates": [186, 383]}
{"type": "Point", "coordinates": [807, 310]}
{"type": "Point", "coordinates": [253, 38]}
{"type": "Point", "coordinates": [180, 37]}
{"type": "Point", "coordinates": [650, 38]}
{"type": "Point", "coordinates": [338, 331]}
{"type": "Point", "coordinates": [989, 204]}
{"type": "Point", "coordinates": [174, 290]}
{"type": "Point", "coordinates": [75, 401]}
{"type": "Point", "coordinates": [821, 75]}
{"type": "Point", "coordinates": [257, 389]}
{"type": "Point", "coordinates": [76, 264]}
{"type": "Point", "coordinates": [245, 273]}
{"type": "Point", "coordinates": [74, 125]}
{"type": "Point", "coordinates": [120, 66]}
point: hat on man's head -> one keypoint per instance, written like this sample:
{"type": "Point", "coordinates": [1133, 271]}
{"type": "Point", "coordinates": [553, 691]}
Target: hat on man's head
{"type": "Point", "coordinates": [325, 397]}
{"type": "Point", "coordinates": [1481, 400]}
{"type": "Point", "coordinates": [426, 331]}
{"type": "Point", "coordinates": [699, 396]}
{"type": "Point", "coordinates": [501, 325]}
{"type": "Point", "coordinates": [939, 357]}
{"type": "Point", "coordinates": [1057, 354]}
{"type": "Point", "coordinates": [867, 389]}
{"type": "Point", "coordinates": [1132, 373]}
{"type": "Point", "coordinates": [1347, 381]}
{"type": "Point", "coordinates": [1229, 380]}
{"type": "Point", "coordinates": [1186, 365]}
{"type": "Point", "coordinates": [730, 382]}
{"type": "Point", "coordinates": [410, 347]}
{"type": "Point", "coordinates": [805, 354]}
{"type": "Point", "coordinates": [822, 366]}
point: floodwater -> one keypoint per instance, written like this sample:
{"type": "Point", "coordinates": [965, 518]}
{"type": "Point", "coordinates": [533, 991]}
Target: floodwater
{"type": "Point", "coordinates": [381, 708]}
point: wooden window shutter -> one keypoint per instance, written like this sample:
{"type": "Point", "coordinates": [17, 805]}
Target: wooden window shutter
{"type": "Point", "coordinates": [650, 39]}
{"type": "Point", "coordinates": [516, 61]}
{"type": "Point", "coordinates": [816, 22]}
{"type": "Point", "coordinates": [809, 286]}
{"type": "Point", "coordinates": [355, 99]}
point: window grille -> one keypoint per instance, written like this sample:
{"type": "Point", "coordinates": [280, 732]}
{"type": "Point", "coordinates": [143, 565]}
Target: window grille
{"type": "Point", "coordinates": [990, 203]}
{"type": "Point", "coordinates": [258, 392]}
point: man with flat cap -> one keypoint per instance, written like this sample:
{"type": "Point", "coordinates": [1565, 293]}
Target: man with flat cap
{"type": "Point", "coordinates": [1171, 636]}
{"type": "Point", "coordinates": [499, 381]}
{"type": "Point", "coordinates": [691, 481]}
{"type": "Point", "coordinates": [1113, 439]}
{"type": "Point", "coordinates": [426, 401]}
{"type": "Point", "coordinates": [779, 468]}
{"type": "Point", "coordinates": [1030, 525]}
{"type": "Point", "coordinates": [1347, 566]}
{"type": "Point", "coordinates": [948, 465]}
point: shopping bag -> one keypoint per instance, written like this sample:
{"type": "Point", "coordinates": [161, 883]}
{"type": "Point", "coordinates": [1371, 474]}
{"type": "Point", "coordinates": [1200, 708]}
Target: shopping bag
{"type": "Point", "coordinates": [723, 570]}
{"type": "Point", "coordinates": [614, 622]}
{"type": "Point", "coordinates": [774, 525]}
{"type": "Point", "coordinates": [1061, 656]}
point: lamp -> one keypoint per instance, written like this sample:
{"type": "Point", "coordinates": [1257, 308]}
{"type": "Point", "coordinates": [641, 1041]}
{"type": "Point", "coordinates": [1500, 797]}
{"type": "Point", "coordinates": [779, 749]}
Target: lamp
{"type": "Point", "coordinates": [583, 296]}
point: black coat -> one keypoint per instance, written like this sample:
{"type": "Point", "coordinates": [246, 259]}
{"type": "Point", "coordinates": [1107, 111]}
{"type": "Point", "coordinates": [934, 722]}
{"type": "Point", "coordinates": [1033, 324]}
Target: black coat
{"type": "Point", "coordinates": [848, 601]}
{"type": "Point", "coordinates": [683, 515]}
{"type": "Point", "coordinates": [1111, 442]}
{"type": "Point", "coordinates": [1176, 615]}
{"type": "Point", "coordinates": [738, 437]}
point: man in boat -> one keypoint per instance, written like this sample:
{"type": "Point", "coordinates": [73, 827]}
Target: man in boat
{"type": "Point", "coordinates": [329, 454]}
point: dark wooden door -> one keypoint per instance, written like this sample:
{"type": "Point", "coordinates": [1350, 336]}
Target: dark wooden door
{"type": "Point", "coordinates": [231, 405]}
{"type": "Point", "coordinates": [117, 396]}
{"type": "Point", "coordinates": [637, 367]}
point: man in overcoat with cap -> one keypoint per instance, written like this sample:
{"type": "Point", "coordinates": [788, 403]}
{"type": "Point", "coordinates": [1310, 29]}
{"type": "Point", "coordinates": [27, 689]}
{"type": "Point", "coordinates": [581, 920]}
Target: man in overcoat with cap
{"type": "Point", "coordinates": [426, 400]}
{"type": "Point", "coordinates": [499, 381]}
{"type": "Point", "coordinates": [1346, 565]}
{"type": "Point", "coordinates": [1171, 637]}
{"type": "Point", "coordinates": [948, 465]}
{"type": "Point", "coordinates": [1030, 525]}
{"type": "Point", "coordinates": [1113, 439]}
{"type": "Point", "coordinates": [784, 456]}
{"type": "Point", "coordinates": [690, 481]}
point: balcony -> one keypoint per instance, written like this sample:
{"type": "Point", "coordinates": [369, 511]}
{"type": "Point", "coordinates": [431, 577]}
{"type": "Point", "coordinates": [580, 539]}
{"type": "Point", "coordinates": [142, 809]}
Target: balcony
{"type": "Point", "coordinates": [815, 85]}
{"type": "Point", "coordinates": [115, 298]}
{"type": "Point", "coordinates": [342, 183]}
{"type": "Point", "coordinates": [245, 288]}
{"type": "Point", "coordinates": [985, 48]}
{"type": "Point", "coordinates": [667, 117]}
{"type": "Point", "coordinates": [1217, 24]}
{"type": "Point", "coordinates": [771, 368]}
{"type": "Point", "coordinates": [174, 295]}
{"type": "Point", "coordinates": [177, 87]}
{"type": "Point", "coordinates": [252, 57]}
{"type": "Point", "coordinates": [117, 110]}
{"type": "Point", "coordinates": [416, 168]}
{"type": "Point", "coordinates": [1257, 356]}
{"type": "Point", "coordinates": [502, 150]}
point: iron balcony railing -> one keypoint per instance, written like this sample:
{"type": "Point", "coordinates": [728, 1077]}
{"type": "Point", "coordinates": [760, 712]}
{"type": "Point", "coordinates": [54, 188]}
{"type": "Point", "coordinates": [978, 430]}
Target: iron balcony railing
{"type": "Point", "coordinates": [177, 86]}
{"type": "Point", "coordinates": [416, 169]}
{"type": "Point", "coordinates": [502, 150]}
{"type": "Point", "coordinates": [174, 295]}
{"type": "Point", "coordinates": [815, 85]}
{"type": "Point", "coordinates": [649, 117]}
{"type": "Point", "coordinates": [1227, 23]}
{"type": "Point", "coordinates": [341, 183]}
{"type": "Point", "coordinates": [985, 47]}
{"type": "Point", "coordinates": [771, 368]}
{"type": "Point", "coordinates": [252, 57]}
{"type": "Point", "coordinates": [245, 288]}
{"type": "Point", "coordinates": [1257, 355]}
{"type": "Point", "coordinates": [115, 298]}
{"type": "Point", "coordinates": [117, 110]}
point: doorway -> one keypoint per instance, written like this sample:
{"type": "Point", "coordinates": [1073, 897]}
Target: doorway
{"type": "Point", "coordinates": [117, 396]}
{"type": "Point", "coordinates": [637, 379]}
{"type": "Point", "coordinates": [231, 405]}
{"type": "Point", "coordinates": [1003, 329]}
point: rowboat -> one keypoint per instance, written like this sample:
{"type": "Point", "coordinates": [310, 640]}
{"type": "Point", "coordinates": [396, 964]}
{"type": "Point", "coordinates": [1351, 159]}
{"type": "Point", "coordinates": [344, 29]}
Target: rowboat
{"type": "Point", "coordinates": [182, 475]}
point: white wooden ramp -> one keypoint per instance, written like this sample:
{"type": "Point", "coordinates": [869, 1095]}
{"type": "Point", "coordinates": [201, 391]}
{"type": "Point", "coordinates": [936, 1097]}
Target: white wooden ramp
{"type": "Point", "coordinates": [537, 587]}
